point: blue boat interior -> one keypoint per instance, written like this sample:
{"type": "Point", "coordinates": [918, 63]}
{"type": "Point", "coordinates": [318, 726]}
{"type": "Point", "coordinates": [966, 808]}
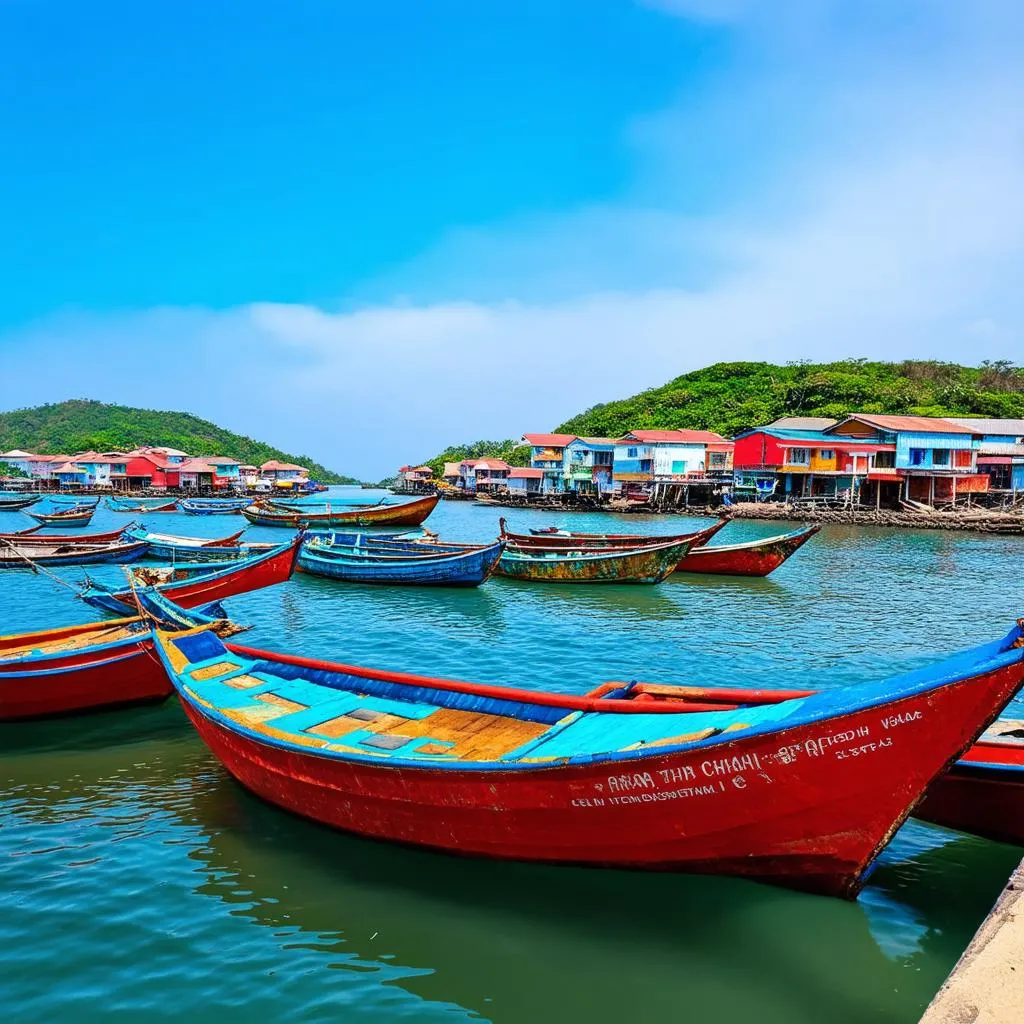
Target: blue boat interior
{"type": "Point", "coordinates": [339, 712]}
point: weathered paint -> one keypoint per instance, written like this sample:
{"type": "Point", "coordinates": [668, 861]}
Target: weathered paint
{"type": "Point", "coordinates": [614, 565]}
{"type": "Point", "coordinates": [807, 797]}
{"type": "Point", "coordinates": [409, 513]}
{"type": "Point", "coordinates": [571, 541]}
{"type": "Point", "coordinates": [983, 792]}
{"type": "Point", "coordinates": [755, 558]}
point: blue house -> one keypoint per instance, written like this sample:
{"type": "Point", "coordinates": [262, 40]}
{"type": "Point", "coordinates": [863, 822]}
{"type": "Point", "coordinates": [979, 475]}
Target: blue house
{"type": "Point", "coordinates": [1000, 452]}
{"type": "Point", "coordinates": [587, 465]}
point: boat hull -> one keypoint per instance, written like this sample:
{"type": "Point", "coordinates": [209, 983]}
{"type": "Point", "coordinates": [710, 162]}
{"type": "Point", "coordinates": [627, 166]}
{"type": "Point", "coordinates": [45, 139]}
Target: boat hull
{"type": "Point", "coordinates": [409, 513]}
{"type": "Point", "coordinates": [115, 554]}
{"type": "Point", "coordinates": [463, 569]}
{"type": "Point", "coordinates": [808, 807]}
{"type": "Point", "coordinates": [646, 565]}
{"type": "Point", "coordinates": [758, 558]}
{"type": "Point", "coordinates": [983, 793]}
{"type": "Point", "coordinates": [604, 541]}
{"type": "Point", "coordinates": [63, 519]}
{"type": "Point", "coordinates": [34, 536]}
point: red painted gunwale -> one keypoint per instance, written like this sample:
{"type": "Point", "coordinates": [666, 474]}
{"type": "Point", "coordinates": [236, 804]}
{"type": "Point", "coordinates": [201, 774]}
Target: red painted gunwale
{"type": "Point", "coordinates": [83, 678]}
{"type": "Point", "coordinates": [191, 593]}
{"type": "Point", "coordinates": [753, 558]}
{"type": "Point", "coordinates": [579, 541]}
{"type": "Point", "coordinates": [807, 820]}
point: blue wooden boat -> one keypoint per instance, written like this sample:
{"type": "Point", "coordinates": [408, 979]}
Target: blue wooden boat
{"type": "Point", "coordinates": [396, 563]}
{"type": "Point", "coordinates": [29, 556]}
{"type": "Point", "coordinates": [172, 548]}
{"type": "Point", "coordinates": [163, 505]}
{"type": "Point", "coordinates": [73, 515]}
{"type": "Point", "coordinates": [213, 506]}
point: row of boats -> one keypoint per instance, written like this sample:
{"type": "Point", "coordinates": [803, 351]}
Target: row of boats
{"type": "Point", "coordinates": [797, 787]}
{"type": "Point", "coordinates": [424, 559]}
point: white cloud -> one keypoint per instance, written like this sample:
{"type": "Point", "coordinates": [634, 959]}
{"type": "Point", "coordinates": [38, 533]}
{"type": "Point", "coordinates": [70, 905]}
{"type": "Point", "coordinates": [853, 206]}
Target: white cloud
{"type": "Point", "coordinates": [874, 207]}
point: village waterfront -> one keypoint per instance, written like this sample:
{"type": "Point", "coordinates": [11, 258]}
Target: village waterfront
{"type": "Point", "coordinates": [137, 881]}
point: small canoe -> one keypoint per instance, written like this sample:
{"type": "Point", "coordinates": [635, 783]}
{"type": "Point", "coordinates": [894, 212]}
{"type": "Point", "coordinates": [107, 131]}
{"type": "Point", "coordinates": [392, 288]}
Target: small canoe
{"type": "Point", "coordinates": [16, 504]}
{"type": "Point", "coordinates": [803, 792]}
{"type": "Point", "coordinates": [408, 513]}
{"type": "Point", "coordinates": [614, 565]}
{"type": "Point", "coordinates": [983, 793]}
{"type": "Point", "coordinates": [193, 585]}
{"type": "Point", "coordinates": [213, 506]}
{"type": "Point", "coordinates": [753, 558]}
{"type": "Point", "coordinates": [412, 564]}
{"type": "Point", "coordinates": [96, 665]}
{"type": "Point", "coordinates": [34, 535]}
{"type": "Point", "coordinates": [554, 539]}
{"type": "Point", "coordinates": [14, 557]}
{"type": "Point", "coordinates": [173, 548]}
{"type": "Point", "coordinates": [66, 517]}
{"type": "Point", "coordinates": [116, 505]}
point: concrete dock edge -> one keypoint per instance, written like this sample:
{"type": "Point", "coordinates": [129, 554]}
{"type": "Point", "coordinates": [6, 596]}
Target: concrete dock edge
{"type": "Point", "coordinates": [987, 984]}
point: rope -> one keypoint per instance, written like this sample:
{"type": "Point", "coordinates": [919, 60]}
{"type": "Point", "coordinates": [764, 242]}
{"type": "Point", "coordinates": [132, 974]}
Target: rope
{"type": "Point", "coordinates": [37, 568]}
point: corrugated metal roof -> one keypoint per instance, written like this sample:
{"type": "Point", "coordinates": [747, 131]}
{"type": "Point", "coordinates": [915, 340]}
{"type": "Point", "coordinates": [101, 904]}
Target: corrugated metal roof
{"type": "Point", "coordinates": [597, 440]}
{"type": "Point", "coordinates": [910, 424]}
{"type": "Point", "coordinates": [273, 465]}
{"type": "Point", "coordinates": [679, 436]}
{"type": "Point", "coordinates": [803, 422]}
{"type": "Point", "coordinates": [525, 473]}
{"type": "Point", "coordinates": [1009, 428]}
{"type": "Point", "coordinates": [549, 440]}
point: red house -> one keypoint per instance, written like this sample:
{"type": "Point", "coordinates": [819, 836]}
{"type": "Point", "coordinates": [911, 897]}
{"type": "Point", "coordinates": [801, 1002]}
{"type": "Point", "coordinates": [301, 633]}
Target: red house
{"type": "Point", "coordinates": [147, 469]}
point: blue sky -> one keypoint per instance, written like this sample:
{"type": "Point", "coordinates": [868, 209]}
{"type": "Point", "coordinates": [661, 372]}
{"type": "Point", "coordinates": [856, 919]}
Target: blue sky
{"type": "Point", "coordinates": [366, 231]}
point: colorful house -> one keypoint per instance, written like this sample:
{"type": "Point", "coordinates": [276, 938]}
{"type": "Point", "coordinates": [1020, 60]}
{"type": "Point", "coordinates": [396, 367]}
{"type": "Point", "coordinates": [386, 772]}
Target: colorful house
{"type": "Point", "coordinates": [934, 459]}
{"type": "Point", "coordinates": [547, 453]}
{"type": "Point", "coordinates": [285, 475]}
{"type": "Point", "coordinates": [415, 478]}
{"type": "Point", "coordinates": [805, 462]}
{"type": "Point", "coordinates": [103, 469]}
{"type": "Point", "coordinates": [145, 468]}
{"type": "Point", "coordinates": [587, 465]}
{"type": "Point", "coordinates": [1000, 451]}
{"type": "Point", "coordinates": [17, 459]}
{"type": "Point", "coordinates": [645, 457]}
{"type": "Point", "coordinates": [483, 474]}
{"type": "Point", "coordinates": [524, 480]}
{"type": "Point", "coordinates": [451, 474]}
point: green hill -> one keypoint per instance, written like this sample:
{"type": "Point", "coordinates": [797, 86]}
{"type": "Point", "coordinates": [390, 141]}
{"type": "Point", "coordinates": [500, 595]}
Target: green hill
{"type": "Point", "coordinates": [729, 397]}
{"type": "Point", "coordinates": [82, 424]}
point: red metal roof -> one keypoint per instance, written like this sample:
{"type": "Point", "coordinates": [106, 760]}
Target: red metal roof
{"type": "Point", "coordinates": [549, 440]}
{"type": "Point", "coordinates": [679, 436]}
{"type": "Point", "coordinates": [491, 464]}
{"type": "Point", "coordinates": [220, 460]}
{"type": "Point", "coordinates": [525, 473]}
{"type": "Point", "coordinates": [273, 465]}
{"type": "Point", "coordinates": [914, 424]}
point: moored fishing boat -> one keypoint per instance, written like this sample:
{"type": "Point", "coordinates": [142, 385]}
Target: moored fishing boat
{"type": "Point", "coordinates": [76, 515]}
{"type": "Point", "coordinates": [801, 791]}
{"type": "Point", "coordinates": [553, 539]}
{"type": "Point", "coordinates": [16, 504]}
{"type": "Point", "coordinates": [192, 585]}
{"type": "Point", "coordinates": [173, 548]}
{"type": "Point", "coordinates": [983, 793]}
{"type": "Point", "coordinates": [119, 505]}
{"type": "Point", "coordinates": [389, 562]}
{"type": "Point", "coordinates": [95, 665]}
{"type": "Point", "coordinates": [649, 564]}
{"type": "Point", "coordinates": [34, 535]}
{"type": "Point", "coordinates": [13, 556]}
{"type": "Point", "coordinates": [213, 506]}
{"type": "Point", "coordinates": [752, 558]}
{"type": "Point", "coordinates": [408, 513]}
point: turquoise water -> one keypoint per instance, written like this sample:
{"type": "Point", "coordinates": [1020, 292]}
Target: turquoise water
{"type": "Point", "coordinates": [137, 881]}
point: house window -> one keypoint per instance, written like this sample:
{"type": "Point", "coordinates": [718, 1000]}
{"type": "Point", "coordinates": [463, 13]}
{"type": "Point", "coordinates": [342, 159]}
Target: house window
{"type": "Point", "coordinates": [917, 456]}
{"type": "Point", "coordinates": [799, 456]}
{"type": "Point", "coordinates": [678, 467]}
{"type": "Point", "coordinates": [940, 456]}
{"type": "Point", "coordinates": [602, 458]}
{"type": "Point", "coordinates": [630, 453]}
{"type": "Point", "coordinates": [884, 460]}
{"type": "Point", "coordinates": [646, 465]}
{"type": "Point", "coordinates": [827, 454]}
{"type": "Point", "coordinates": [717, 460]}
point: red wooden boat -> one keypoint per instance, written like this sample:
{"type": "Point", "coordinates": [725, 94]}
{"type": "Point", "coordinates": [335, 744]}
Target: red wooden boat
{"type": "Point", "coordinates": [753, 558]}
{"type": "Point", "coordinates": [983, 792]}
{"type": "Point", "coordinates": [554, 539]}
{"type": "Point", "coordinates": [802, 791]}
{"type": "Point", "coordinates": [407, 513]}
{"type": "Point", "coordinates": [192, 585]}
{"type": "Point", "coordinates": [56, 671]}
{"type": "Point", "coordinates": [33, 535]}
